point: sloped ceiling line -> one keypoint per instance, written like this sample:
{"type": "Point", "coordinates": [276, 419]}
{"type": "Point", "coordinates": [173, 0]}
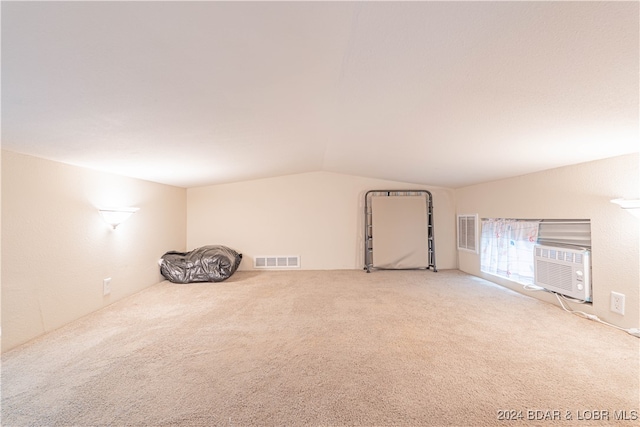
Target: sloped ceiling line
{"type": "Point", "coordinates": [436, 93]}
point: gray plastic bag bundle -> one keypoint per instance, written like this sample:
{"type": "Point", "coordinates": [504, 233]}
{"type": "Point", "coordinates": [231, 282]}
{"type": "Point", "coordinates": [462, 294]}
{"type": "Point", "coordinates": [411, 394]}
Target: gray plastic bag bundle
{"type": "Point", "coordinates": [213, 263]}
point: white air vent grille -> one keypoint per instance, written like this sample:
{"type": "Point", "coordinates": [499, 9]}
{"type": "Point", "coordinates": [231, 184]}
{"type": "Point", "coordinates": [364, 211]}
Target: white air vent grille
{"type": "Point", "coordinates": [556, 274]}
{"type": "Point", "coordinates": [468, 233]}
{"type": "Point", "coordinates": [277, 261]}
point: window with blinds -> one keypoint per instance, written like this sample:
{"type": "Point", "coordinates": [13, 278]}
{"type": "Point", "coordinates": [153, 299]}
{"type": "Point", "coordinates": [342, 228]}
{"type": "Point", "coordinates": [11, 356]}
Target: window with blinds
{"type": "Point", "coordinates": [565, 232]}
{"type": "Point", "coordinates": [508, 252]}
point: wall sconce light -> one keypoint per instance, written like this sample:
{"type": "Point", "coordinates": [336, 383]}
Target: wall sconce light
{"type": "Point", "coordinates": [116, 216]}
{"type": "Point", "coordinates": [630, 205]}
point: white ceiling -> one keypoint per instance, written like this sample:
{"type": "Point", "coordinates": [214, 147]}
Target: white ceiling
{"type": "Point", "coordinates": [439, 93]}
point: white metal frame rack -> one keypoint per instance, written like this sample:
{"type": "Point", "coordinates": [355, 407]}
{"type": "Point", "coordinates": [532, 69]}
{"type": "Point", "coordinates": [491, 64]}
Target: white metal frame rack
{"type": "Point", "coordinates": [368, 225]}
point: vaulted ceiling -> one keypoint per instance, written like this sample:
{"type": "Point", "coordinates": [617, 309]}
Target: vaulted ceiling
{"type": "Point", "coordinates": [439, 93]}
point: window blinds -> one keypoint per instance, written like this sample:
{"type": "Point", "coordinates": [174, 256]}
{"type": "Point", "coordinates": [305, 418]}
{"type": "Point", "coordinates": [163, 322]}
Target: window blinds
{"type": "Point", "coordinates": [574, 232]}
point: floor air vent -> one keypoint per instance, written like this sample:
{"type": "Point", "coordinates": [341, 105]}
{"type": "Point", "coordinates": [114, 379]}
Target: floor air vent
{"type": "Point", "coordinates": [281, 261]}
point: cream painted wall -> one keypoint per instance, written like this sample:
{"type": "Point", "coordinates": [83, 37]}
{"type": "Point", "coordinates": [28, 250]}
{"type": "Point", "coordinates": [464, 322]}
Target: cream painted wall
{"type": "Point", "coordinates": [579, 191]}
{"type": "Point", "coordinates": [318, 216]}
{"type": "Point", "coordinates": [56, 249]}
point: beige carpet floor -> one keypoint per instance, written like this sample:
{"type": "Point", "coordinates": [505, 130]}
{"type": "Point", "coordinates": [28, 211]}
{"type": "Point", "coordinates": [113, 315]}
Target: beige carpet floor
{"type": "Point", "coordinates": [327, 348]}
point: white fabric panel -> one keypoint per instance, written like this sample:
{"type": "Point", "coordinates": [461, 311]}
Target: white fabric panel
{"type": "Point", "coordinates": [507, 248]}
{"type": "Point", "coordinates": [399, 232]}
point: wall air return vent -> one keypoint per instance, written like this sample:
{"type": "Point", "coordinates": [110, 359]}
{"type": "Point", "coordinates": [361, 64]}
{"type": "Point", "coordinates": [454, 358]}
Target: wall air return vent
{"type": "Point", "coordinates": [468, 233]}
{"type": "Point", "coordinates": [276, 261]}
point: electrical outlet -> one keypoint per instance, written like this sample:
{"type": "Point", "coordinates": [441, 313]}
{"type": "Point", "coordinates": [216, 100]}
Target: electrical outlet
{"type": "Point", "coordinates": [617, 303]}
{"type": "Point", "coordinates": [106, 286]}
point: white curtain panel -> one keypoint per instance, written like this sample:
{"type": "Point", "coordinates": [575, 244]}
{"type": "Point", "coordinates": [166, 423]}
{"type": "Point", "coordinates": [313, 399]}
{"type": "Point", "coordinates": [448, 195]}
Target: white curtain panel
{"type": "Point", "coordinates": [507, 248]}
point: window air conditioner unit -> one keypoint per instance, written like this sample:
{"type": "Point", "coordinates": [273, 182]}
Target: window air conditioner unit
{"type": "Point", "coordinates": [563, 270]}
